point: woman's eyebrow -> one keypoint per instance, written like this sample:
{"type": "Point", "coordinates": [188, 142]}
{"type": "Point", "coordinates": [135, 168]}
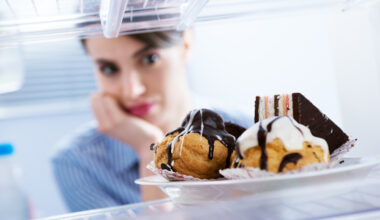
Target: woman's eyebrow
{"type": "Point", "coordinates": [142, 50]}
{"type": "Point", "coordinates": [103, 62]}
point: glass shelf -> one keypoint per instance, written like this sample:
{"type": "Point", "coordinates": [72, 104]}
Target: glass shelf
{"type": "Point", "coordinates": [356, 200]}
{"type": "Point", "coordinates": [42, 20]}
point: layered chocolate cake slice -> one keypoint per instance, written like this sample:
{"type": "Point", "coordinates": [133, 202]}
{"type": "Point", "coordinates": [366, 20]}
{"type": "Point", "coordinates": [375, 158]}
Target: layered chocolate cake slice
{"type": "Point", "coordinates": [304, 112]}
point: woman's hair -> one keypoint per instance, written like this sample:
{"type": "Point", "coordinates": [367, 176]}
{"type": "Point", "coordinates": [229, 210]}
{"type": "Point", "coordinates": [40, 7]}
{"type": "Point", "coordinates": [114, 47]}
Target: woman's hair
{"type": "Point", "coordinates": [159, 39]}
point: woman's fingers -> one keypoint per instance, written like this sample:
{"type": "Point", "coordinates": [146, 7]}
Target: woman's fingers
{"type": "Point", "coordinates": [115, 122]}
{"type": "Point", "coordinates": [99, 111]}
{"type": "Point", "coordinates": [115, 114]}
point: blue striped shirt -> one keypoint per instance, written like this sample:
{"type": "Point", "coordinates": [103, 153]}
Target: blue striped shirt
{"type": "Point", "coordinates": [93, 170]}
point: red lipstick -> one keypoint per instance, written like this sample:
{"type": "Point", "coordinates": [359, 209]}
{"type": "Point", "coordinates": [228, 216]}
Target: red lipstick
{"type": "Point", "coordinates": [140, 109]}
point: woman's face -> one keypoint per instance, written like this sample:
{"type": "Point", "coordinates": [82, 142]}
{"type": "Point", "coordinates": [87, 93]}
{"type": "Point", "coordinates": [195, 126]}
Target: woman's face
{"type": "Point", "coordinates": [147, 82]}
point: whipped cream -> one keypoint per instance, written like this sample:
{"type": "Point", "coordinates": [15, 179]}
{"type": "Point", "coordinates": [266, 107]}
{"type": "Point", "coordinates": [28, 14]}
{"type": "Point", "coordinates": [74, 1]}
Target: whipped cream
{"type": "Point", "coordinates": [291, 133]}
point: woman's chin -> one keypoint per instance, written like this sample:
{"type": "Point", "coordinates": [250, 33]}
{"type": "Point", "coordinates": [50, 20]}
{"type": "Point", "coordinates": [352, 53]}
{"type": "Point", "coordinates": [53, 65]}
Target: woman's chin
{"type": "Point", "coordinates": [154, 117]}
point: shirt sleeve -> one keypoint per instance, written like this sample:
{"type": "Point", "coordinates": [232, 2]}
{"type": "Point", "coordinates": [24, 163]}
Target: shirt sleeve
{"type": "Point", "coordinates": [80, 190]}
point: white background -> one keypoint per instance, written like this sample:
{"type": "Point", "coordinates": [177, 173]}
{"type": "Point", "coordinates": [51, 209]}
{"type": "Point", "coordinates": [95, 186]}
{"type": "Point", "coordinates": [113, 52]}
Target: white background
{"type": "Point", "coordinates": [330, 57]}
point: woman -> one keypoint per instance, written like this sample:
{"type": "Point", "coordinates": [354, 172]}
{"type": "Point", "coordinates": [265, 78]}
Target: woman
{"type": "Point", "coordinates": [143, 94]}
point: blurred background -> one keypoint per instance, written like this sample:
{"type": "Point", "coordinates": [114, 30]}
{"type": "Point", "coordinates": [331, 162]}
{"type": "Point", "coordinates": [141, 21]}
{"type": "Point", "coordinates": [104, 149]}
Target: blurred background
{"type": "Point", "coordinates": [331, 57]}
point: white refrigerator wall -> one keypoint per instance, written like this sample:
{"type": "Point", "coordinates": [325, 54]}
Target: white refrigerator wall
{"type": "Point", "coordinates": [354, 40]}
{"type": "Point", "coordinates": [329, 58]}
{"type": "Point", "coordinates": [235, 61]}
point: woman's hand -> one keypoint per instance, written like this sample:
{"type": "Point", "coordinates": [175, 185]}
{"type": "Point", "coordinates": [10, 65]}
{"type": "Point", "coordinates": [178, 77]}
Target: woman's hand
{"type": "Point", "coordinates": [131, 130]}
{"type": "Point", "coordinates": [137, 133]}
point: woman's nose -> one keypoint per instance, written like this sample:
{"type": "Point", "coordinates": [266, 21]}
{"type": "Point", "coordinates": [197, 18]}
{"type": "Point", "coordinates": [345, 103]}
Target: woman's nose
{"type": "Point", "coordinates": [132, 85]}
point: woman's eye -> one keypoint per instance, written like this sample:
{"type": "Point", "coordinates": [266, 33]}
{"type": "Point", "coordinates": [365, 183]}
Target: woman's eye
{"type": "Point", "coordinates": [109, 70]}
{"type": "Point", "coordinates": [150, 59]}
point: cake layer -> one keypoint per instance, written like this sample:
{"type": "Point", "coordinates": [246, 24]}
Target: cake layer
{"type": "Point", "coordinates": [271, 106]}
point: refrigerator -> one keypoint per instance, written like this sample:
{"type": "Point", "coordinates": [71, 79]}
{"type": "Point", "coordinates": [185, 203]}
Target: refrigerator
{"type": "Point", "coordinates": [326, 49]}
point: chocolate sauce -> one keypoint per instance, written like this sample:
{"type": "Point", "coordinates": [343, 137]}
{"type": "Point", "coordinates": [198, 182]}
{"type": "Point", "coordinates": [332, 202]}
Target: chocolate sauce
{"type": "Point", "coordinates": [237, 160]}
{"type": "Point", "coordinates": [269, 126]}
{"type": "Point", "coordinates": [262, 139]}
{"type": "Point", "coordinates": [290, 158]}
{"type": "Point", "coordinates": [209, 125]}
{"type": "Point", "coordinates": [234, 129]}
{"type": "Point", "coordinates": [238, 155]}
{"type": "Point", "coordinates": [166, 167]}
{"type": "Point", "coordinates": [257, 103]}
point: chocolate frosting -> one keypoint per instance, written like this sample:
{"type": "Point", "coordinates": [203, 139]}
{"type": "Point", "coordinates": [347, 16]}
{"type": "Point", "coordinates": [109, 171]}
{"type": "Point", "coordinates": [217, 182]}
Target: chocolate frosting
{"type": "Point", "coordinates": [304, 112]}
{"type": "Point", "coordinates": [208, 124]}
{"type": "Point", "coordinates": [234, 129]}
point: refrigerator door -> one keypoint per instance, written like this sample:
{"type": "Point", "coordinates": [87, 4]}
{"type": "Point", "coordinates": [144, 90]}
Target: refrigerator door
{"type": "Point", "coordinates": [41, 20]}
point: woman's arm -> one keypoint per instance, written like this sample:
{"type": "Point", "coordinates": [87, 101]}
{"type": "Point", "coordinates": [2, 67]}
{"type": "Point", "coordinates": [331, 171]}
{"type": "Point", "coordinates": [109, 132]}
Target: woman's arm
{"type": "Point", "coordinates": [133, 131]}
{"type": "Point", "coordinates": [149, 193]}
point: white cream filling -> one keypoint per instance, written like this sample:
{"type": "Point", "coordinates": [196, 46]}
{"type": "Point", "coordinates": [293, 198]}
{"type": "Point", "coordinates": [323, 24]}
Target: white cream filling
{"type": "Point", "coordinates": [261, 109]}
{"type": "Point", "coordinates": [290, 111]}
{"type": "Point", "coordinates": [280, 105]}
{"type": "Point", "coordinates": [284, 128]}
{"type": "Point", "coordinates": [270, 106]}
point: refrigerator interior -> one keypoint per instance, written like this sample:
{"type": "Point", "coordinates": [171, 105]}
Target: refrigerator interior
{"type": "Point", "coordinates": [328, 50]}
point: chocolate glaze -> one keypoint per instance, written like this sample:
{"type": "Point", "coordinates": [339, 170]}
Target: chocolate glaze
{"type": "Point", "coordinates": [234, 129]}
{"type": "Point", "coordinates": [208, 124]}
{"type": "Point", "coordinates": [304, 112]}
{"type": "Point", "coordinates": [269, 126]}
{"type": "Point", "coordinates": [236, 162]}
{"type": "Point", "coordinates": [257, 103]}
{"type": "Point", "coordinates": [289, 158]}
{"type": "Point", "coordinates": [262, 139]}
{"type": "Point", "coordinates": [166, 167]}
{"type": "Point", "coordinates": [238, 155]}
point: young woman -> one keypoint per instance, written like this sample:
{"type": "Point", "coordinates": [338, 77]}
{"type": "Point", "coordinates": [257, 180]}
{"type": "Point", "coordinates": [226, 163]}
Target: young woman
{"type": "Point", "coordinates": [143, 94]}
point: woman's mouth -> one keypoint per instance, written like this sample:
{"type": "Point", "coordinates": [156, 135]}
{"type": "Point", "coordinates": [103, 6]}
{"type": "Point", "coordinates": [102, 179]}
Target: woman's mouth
{"type": "Point", "coordinates": [141, 109]}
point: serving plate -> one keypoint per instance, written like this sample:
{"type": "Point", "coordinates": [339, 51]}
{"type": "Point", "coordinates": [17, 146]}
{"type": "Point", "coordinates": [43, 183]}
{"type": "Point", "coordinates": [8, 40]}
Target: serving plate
{"type": "Point", "coordinates": [349, 172]}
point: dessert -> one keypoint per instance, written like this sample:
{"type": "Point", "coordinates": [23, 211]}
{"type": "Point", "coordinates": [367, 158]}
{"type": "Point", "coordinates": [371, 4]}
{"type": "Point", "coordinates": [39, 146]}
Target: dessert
{"type": "Point", "coordinates": [304, 112]}
{"type": "Point", "coordinates": [200, 147]}
{"type": "Point", "coordinates": [279, 144]}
